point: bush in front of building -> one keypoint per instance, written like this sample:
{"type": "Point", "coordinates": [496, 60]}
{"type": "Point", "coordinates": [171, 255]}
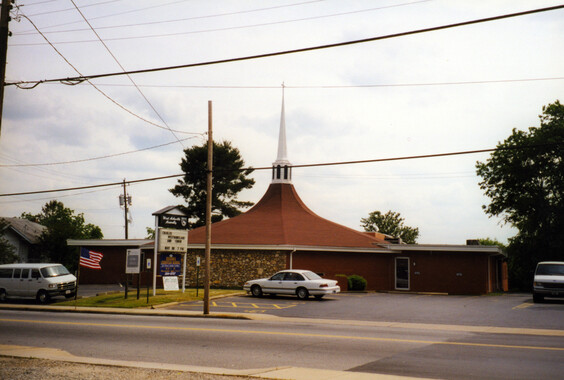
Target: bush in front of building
{"type": "Point", "coordinates": [356, 282]}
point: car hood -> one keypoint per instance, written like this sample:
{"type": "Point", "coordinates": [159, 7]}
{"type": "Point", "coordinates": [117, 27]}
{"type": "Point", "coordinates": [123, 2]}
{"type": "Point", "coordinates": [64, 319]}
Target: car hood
{"type": "Point", "coordinates": [259, 279]}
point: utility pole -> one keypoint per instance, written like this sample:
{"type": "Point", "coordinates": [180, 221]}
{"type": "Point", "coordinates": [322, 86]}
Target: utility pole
{"type": "Point", "coordinates": [208, 213]}
{"type": "Point", "coordinates": [4, 33]}
{"type": "Point", "coordinates": [125, 201]}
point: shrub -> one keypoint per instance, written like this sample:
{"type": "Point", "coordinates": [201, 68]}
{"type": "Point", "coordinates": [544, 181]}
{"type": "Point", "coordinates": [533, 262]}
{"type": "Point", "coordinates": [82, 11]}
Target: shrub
{"type": "Point", "coordinates": [356, 282]}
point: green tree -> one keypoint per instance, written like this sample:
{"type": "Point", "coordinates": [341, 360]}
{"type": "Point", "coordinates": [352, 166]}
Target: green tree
{"type": "Point", "coordinates": [390, 223]}
{"type": "Point", "coordinates": [524, 179]}
{"type": "Point", "coordinates": [229, 178]}
{"type": "Point", "coordinates": [489, 241]}
{"type": "Point", "coordinates": [62, 224]}
{"type": "Point", "coordinates": [150, 233]}
{"type": "Point", "coordinates": [7, 251]}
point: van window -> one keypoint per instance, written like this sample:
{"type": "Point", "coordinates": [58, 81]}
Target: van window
{"type": "Point", "coordinates": [550, 269]}
{"type": "Point", "coordinates": [6, 272]}
{"type": "Point", "coordinates": [25, 273]}
{"type": "Point", "coordinates": [54, 271]}
{"type": "Point", "coordinates": [17, 272]}
{"type": "Point", "coordinates": [35, 273]}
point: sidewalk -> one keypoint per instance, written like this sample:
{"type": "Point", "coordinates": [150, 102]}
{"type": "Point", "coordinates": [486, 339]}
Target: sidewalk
{"type": "Point", "coordinates": [296, 373]}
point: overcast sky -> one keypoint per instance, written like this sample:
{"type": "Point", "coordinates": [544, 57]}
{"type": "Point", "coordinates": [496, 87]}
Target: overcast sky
{"type": "Point", "coordinates": [451, 90]}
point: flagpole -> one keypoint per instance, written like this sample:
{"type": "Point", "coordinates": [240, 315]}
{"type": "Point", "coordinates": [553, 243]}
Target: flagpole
{"type": "Point", "coordinates": [77, 278]}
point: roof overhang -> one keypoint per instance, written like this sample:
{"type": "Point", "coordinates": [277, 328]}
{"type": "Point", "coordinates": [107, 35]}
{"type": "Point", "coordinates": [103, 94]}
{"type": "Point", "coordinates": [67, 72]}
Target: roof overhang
{"type": "Point", "coordinates": [290, 248]}
{"type": "Point", "coordinates": [390, 248]}
{"type": "Point", "coordinates": [492, 250]}
{"type": "Point", "coordinates": [109, 242]}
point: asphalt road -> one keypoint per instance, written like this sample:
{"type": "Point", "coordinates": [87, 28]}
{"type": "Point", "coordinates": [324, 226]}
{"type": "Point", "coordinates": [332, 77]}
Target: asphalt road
{"type": "Point", "coordinates": [507, 310]}
{"type": "Point", "coordinates": [424, 351]}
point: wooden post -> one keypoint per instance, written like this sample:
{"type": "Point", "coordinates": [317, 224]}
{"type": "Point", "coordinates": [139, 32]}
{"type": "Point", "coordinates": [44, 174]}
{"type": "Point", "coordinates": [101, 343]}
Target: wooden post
{"type": "Point", "coordinates": [208, 213]}
{"type": "Point", "coordinates": [4, 33]}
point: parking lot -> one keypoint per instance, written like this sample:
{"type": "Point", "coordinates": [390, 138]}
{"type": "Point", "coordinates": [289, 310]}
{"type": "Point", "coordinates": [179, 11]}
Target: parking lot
{"type": "Point", "coordinates": [511, 310]}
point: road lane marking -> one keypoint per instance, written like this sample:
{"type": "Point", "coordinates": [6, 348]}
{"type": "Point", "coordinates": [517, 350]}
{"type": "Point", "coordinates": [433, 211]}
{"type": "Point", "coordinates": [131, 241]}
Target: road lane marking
{"type": "Point", "coordinates": [522, 306]}
{"type": "Point", "coordinates": [281, 333]}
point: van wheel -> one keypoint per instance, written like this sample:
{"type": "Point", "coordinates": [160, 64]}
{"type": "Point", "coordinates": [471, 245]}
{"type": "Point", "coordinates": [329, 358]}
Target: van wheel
{"type": "Point", "coordinates": [538, 298]}
{"type": "Point", "coordinates": [43, 297]}
{"type": "Point", "coordinates": [2, 295]}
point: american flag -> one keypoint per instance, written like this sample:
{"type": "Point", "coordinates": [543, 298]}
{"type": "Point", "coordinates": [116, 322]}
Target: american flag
{"type": "Point", "coordinates": [90, 259]}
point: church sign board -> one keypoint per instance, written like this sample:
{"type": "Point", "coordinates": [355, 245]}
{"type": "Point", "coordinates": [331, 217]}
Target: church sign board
{"type": "Point", "coordinates": [173, 221]}
{"type": "Point", "coordinates": [172, 240]}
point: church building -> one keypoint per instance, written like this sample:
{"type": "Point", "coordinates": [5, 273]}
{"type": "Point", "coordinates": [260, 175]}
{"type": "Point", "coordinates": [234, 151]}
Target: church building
{"type": "Point", "coordinates": [281, 232]}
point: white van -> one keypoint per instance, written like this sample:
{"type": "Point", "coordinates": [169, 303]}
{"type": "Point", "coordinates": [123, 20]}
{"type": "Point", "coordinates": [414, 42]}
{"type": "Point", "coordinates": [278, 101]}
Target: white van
{"type": "Point", "coordinates": [39, 281]}
{"type": "Point", "coordinates": [549, 280]}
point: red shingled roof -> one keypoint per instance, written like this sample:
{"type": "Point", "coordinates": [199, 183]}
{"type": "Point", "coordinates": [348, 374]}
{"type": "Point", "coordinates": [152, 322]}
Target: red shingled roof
{"type": "Point", "coordinates": [281, 218]}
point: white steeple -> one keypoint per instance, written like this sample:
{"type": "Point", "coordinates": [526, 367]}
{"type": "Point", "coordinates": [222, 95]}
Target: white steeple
{"type": "Point", "coordinates": [281, 168]}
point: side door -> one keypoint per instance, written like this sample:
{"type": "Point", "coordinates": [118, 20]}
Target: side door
{"type": "Point", "coordinates": [292, 281]}
{"type": "Point", "coordinates": [23, 283]}
{"type": "Point", "coordinates": [402, 273]}
{"type": "Point", "coordinates": [274, 284]}
{"type": "Point", "coordinates": [35, 283]}
{"type": "Point", "coordinates": [16, 284]}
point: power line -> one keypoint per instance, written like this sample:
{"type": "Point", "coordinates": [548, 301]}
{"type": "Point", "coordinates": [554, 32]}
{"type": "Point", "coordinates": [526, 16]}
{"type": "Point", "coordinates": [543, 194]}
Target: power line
{"type": "Point", "coordinates": [294, 51]}
{"type": "Point", "coordinates": [218, 29]}
{"type": "Point", "coordinates": [436, 155]}
{"type": "Point", "coordinates": [20, 85]}
{"type": "Point", "coordinates": [373, 85]}
{"type": "Point", "coordinates": [103, 3]}
{"type": "Point", "coordinates": [128, 76]}
{"type": "Point", "coordinates": [91, 158]}
{"type": "Point", "coordinates": [173, 20]}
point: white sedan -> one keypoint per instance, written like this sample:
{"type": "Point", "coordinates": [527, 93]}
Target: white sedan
{"type": "Point", "coordinates": [302, 283]}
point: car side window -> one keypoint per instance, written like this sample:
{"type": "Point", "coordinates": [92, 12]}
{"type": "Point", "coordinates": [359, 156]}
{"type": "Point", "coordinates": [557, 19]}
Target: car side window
{"type": "Point", "coordinates": [277, 277]}
{"type": "Point", "coordinates": [293, 277]}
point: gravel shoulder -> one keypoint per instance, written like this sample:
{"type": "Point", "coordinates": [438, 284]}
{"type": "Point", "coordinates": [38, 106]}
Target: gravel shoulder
{"type": "Point", "coordinates": [25, 369]}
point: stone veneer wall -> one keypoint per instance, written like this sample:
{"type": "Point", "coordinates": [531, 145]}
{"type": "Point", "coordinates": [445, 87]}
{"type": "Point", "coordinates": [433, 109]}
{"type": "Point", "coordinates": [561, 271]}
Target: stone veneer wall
{"type": "Point", "coordinates": [231, 268]}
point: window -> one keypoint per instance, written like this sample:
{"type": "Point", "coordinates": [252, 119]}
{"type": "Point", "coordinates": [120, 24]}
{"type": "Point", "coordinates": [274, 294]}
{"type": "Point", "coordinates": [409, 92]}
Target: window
{"type": "Point", "coordinates": [6, 273]}
{"type": "Point", "coordinates": [277, 277]}
{"type": "Point", "coordinates": [293, 277]}
{"type": "Point", "coordinates": [550, 269]}
{"type": "Point", "coordinates": [402, 273]}
{"type": "Point", "coordinates": [54, 271]}
{"type": "Point", "coordinates": [312, 276]}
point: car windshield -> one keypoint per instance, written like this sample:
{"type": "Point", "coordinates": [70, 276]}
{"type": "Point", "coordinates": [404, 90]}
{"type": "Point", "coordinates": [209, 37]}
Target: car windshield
{"type": "Point", "coordinates": [54, 271]}
{"type": "Point", "coordinates": [312, 276]}
{"type": "Point", "coordinates": [550, 269]}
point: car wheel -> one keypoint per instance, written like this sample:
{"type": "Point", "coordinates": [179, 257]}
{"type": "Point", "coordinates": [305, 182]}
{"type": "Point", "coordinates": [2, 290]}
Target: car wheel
{"type": "Point", "coordinates": [302, 293]}
{"type": "Point", "coordinates": [537, 298]}
{"type": "Point", "coordinates": [42, 297]}
{"type": "Point", "coordinates": [256, 291]}
{"type": "Point", "coordinates": [2, 295]}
